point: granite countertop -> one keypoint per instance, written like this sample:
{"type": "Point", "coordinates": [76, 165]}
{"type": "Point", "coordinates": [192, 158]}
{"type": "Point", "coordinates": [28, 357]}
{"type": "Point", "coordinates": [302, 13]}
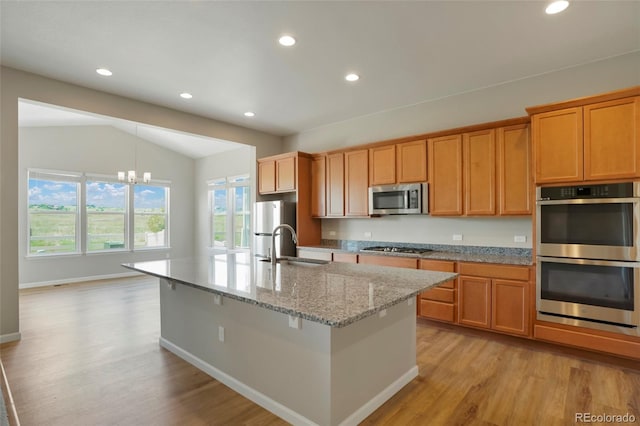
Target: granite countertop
{"type": "Point", "coordinates": [335, 294]}
{"type": "Point", "coordinates": [438, 254]}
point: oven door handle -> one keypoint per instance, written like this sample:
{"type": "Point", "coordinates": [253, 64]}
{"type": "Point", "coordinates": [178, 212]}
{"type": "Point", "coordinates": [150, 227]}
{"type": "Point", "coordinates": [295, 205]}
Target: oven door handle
{"type": "Point", "coordinates": [634, 200]}
{"type": "Point", "coordinates": [615, 263]}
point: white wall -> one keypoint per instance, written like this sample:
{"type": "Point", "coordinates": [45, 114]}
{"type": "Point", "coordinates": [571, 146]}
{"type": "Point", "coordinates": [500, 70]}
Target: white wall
{"type": "Point", "coordinates": [230, 163]}
{"type": "Point", "coordinates": [16, 84]}
{"type": "Point", "coordinates": [490, 104]}
{"type": "Point", "coordinates": [101, 150]}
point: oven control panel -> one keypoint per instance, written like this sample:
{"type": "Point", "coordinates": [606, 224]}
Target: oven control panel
{"type": "Point", "coordinates": [614, 190]}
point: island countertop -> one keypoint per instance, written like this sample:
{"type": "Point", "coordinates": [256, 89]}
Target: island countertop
{"type": "Point", "coordinates": [335, 294]}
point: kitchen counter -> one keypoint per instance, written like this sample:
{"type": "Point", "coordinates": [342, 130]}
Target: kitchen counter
{"type": "Point", "coordinates": [323, 344]}
{"type": "Point", "coordinates": [437, 254]}
{"type": "Point", "coordinates": [335, 294]}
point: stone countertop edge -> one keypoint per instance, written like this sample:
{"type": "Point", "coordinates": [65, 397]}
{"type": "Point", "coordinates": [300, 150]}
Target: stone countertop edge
{"type": "Point", "coordinates": [437, 255]}
{"type": "Point", "coordinates": [293, 312]}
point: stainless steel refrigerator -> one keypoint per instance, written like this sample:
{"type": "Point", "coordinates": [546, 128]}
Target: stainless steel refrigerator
{"type": "Point", "coordinates": [266, 216]}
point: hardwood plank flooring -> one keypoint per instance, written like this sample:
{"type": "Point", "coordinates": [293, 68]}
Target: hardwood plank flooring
{"type": "Point", "coordinates": [89, 355]}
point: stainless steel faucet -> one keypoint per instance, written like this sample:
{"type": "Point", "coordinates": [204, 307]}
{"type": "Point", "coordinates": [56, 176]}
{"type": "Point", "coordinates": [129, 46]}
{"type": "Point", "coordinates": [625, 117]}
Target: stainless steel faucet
{"type": "Point", "coordinates": [294, 237]}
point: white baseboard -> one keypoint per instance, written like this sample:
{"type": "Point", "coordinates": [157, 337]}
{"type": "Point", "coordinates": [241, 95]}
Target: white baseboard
{"type": "Point", "coordinates": [78, 280]}
{"type": "Point", "coordinates": [11, 337]}
{"type": "Point", "coordinates": [374, 403]}
{"type": "Point", "coordinates": [248, 392]}
{"type": "Point", "coordinates": [280, 410]}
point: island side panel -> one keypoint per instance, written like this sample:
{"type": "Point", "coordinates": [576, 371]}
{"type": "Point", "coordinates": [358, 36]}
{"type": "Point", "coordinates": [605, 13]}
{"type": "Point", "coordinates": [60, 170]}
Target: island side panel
{"type": "Point", "coordinates": [372, 359]}
{"type": "Point", "coordinates": [291, 367]}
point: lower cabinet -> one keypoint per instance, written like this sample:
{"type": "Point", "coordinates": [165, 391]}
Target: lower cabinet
{"type": "Point", "coordinates": [438, 303]}
{"type": "Point", "coordinates": [495, 297]}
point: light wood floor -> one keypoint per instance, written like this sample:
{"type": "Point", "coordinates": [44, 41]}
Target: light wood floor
{"type": "Point", "coordinates": [89, 355]}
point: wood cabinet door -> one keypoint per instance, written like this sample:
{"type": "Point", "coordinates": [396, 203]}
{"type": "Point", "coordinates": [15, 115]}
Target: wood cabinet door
{"type": "Point", "coordinates": [514, 170]}
{"type": "Point", "coordinates": [474, 301]}
{"type": "Point", "coordinates": [266, 176]}
{"type": "Point", "coordinates": [510, 306]}
{"type": "Point", "coordinates": [318, 186]}
{"type": "Point", "coordinates": [445, 175]}
{"type": "Point", "coordinates": [480, 172]}
{"type": "Point", "coordinates": [356, 183]}
{"type": "Point", "coordinates": [286, 174]}
{"type": "Point", "coordinates": [612, 139]}
{"type": "Point", "coordinates": [558, 145]}
{"type": "Point", "coordinates": [335, 185]}
{"type": "Point", "coordinates": [412, 161]}
{"type": "Point", "coordinates": [382, 165]}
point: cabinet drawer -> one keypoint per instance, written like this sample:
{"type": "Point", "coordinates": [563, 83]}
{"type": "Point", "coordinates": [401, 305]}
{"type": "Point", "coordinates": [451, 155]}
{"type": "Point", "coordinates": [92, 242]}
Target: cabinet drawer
{"type": "Point", "coordinates": [399, 262]}
{"type": "Point", "coordinates": [437, 310]}
{"type": "Point", "coordinates": [345, 257]}
{"type": "Point", "coordinates": [439, 294]}
{"type": "Point", "coordinates": [492, 270]}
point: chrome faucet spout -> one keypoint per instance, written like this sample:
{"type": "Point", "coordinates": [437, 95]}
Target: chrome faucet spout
{"type": "Point", "coordinates": [294, 237]}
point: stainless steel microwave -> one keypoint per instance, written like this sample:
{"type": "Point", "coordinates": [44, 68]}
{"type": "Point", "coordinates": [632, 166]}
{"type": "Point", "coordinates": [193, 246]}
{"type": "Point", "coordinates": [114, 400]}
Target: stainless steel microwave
{"type": "Point", "coordinates": [411, 198]}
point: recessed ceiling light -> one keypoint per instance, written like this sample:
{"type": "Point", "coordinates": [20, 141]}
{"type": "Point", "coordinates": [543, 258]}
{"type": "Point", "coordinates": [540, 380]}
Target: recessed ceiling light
{"type": "Point", "coordinates": [186, 95]}
{"type": "Point", "coordinates": [556, 7]}
{"type": "Point", "coordinates": [249, 114]}
{"type": "Point", "coordinates": [352, 77]}
{"type": "Point", "coordinates": [287, 40]}
{"type": "Point", "coordinates": [103, 71]}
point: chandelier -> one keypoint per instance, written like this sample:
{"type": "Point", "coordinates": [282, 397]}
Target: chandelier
{"type": "Point", "coordinates": [131, 176]}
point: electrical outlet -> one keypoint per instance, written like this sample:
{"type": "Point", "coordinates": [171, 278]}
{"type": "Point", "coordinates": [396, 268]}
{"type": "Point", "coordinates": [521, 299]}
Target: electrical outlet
{"type": "Point", "coordinates": [221, 333]}
{"type": "Point", "coordinates": [519, 239]}
{"type": "Point", "coordinates": [217, 299]}
{"type": "Point", "coordinates": [457, 237]}
{"type": "Point", "coordinates": [410, 301]}
{"type": "Point", "coordinates": [382, 313]}
{"type": "Point", "coordinates": [295, 322]}
{"type": "Point", "coordinates": [367, 235]}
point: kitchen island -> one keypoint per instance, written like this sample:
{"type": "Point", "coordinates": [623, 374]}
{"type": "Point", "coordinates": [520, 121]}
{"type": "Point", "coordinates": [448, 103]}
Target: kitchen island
{"type": "Point", "coordinates": [313, 343]}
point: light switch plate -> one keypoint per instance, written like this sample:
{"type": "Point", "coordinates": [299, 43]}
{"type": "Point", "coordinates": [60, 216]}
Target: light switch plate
{"type": "Point", "coordinates": [221, 333]}
{"type": "Point", "coordinates": [519, 239]}
{"type": "Point", "coordinates": [332, 233]}
{"type": "Point", "coordinates": [367, 235]}
{"type": "Point", "coordinates": [457, 237]}
{"type": "Point", "coordinates": [217, 299]}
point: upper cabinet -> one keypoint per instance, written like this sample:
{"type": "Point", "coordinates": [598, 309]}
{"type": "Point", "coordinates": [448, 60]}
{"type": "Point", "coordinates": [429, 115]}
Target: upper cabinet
{"type": "Point", "coordinates": [514, 170]}
{"type": "Point", "coordinates": [481, 172]}
{"type": "Point", "coordinates": [293, 173]}
{"type": "Point", "coordinates": [318, 186]}
{"type": "Point", "coordinates": [382, 162]}
{"type": "Point", "coordinates": [445, 175]}
{"type": "Point", "coordinates": [356, 178]}
{"type": "Point", "coordinates": [335, 185]}
{"type": "Point", "coordinates": [412, 161]}
{"type": "Point", "coordinates": [588, 139]}
{"type": "Point", "coordinates": [398, 163]}
{"type": "Point", "coordinates": [277, 173]}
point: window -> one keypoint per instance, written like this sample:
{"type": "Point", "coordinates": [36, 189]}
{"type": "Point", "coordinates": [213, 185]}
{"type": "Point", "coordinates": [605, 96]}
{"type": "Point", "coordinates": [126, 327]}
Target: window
{"type": "Point", "coordinates": [230, 212]}
{"type": "Point", "coordinates": [106, 208]}
{"type": "Point", "coordinates": [53, 213]}
{"type": "Point", "coordinates": [150, 216]}
{"type": "Point", "coordinates": [113, 216]}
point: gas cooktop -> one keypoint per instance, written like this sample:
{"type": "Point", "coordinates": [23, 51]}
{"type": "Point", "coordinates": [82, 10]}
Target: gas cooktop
{"type": "Point", "coordinates": [389, 249]}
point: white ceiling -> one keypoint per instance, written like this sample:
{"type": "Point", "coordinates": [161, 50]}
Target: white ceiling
{"type": "Point", "coordinates": [226, 53]}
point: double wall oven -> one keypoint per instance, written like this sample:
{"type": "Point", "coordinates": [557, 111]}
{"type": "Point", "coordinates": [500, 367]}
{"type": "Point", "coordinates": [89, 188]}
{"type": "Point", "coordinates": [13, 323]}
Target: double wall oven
{"type": "Point", "coordinates": [588, 256]}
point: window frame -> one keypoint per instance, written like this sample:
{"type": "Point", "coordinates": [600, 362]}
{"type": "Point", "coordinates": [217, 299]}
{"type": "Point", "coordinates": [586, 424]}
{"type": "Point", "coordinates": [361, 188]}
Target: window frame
{"type": "Point", "coordinates": [82, 215]}
{"type": "Point", "coordinates": [229, 184]}
{"type": "Point", "coordinates": [167, 217]}
{"type": "Point", "coordinates": [57, 176]}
